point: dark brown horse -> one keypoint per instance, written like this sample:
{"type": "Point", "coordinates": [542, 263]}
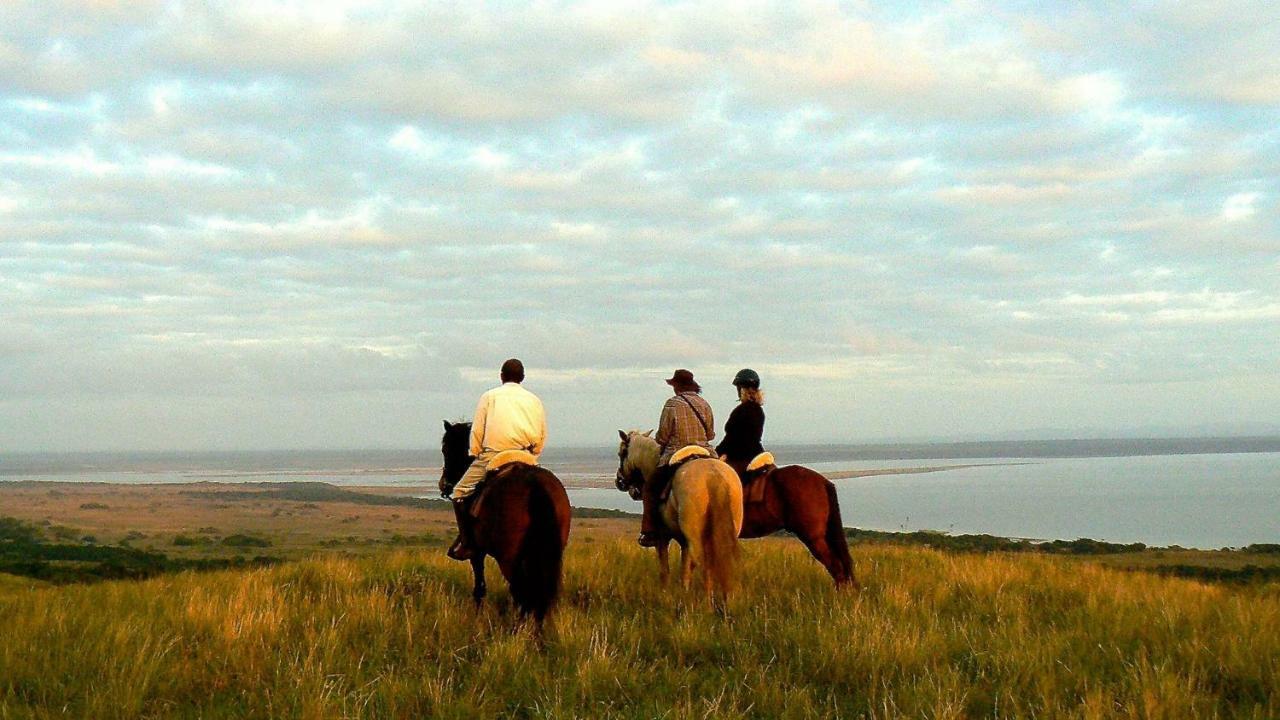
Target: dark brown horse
{"type": "Point", "coordinates": [803, 502]}
{"type": "Point", "coordinates": [523, 523]}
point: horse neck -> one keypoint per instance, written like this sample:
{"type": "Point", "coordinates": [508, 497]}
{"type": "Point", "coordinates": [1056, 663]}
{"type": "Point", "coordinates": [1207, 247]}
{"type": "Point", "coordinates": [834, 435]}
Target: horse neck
{"type": "Point", "coordinates": [644, 455]}
{"type": "Point", "coordinates": [457, 446]}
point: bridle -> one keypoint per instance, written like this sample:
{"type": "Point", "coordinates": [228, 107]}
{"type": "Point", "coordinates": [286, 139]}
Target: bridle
{"type": "Point", "coordinates": [628, 482]}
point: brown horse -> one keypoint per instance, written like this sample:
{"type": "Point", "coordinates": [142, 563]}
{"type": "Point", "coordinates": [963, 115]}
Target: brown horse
{"type": "Point", "coordinates": [523, 523]}
{"type": "Point", "coordinates": [802, 502]}
{"type": "Point", "coordinates": [703, 512]}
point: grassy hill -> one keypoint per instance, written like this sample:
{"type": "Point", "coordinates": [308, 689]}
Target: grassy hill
{"type": "Point", "coordinates": [392, 634]}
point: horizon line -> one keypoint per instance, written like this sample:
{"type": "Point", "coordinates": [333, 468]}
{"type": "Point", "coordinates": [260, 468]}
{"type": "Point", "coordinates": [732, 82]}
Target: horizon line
{"type": "Point", "coordinates": [1272, 436]}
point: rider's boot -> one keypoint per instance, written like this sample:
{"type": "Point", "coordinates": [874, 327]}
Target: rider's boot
{"type": "Point", "coordinates": [462, 547]}
{"type": "Point", "coordinates": [651, 530]}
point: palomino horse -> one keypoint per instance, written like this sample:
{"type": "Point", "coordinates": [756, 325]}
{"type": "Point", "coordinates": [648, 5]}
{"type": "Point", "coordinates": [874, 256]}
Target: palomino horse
{"type": "Point", "coordinates": [803, 502]}
{"type": "Point", "coordinates": [703, 512]}
{"type": "Point", "coordinates": [523, 523]}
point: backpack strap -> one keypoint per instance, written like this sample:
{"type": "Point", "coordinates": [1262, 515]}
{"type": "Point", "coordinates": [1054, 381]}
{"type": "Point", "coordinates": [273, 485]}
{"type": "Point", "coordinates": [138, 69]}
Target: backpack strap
{"type": "Point", "coordinates": [703, 421]}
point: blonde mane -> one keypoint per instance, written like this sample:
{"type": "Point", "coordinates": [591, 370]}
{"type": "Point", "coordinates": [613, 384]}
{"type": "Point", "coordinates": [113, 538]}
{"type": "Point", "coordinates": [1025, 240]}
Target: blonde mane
{"type": "Point", "coordinates": [642, 453]}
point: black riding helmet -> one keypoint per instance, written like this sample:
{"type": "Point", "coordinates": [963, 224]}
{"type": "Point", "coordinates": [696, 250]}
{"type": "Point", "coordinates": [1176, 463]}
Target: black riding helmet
{"type": "Point", "coordinates": [746, 378]}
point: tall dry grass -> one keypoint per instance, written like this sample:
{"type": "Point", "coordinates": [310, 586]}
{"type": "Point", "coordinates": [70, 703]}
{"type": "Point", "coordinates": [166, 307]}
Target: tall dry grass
{"type": "Point", "coordinates": [931, 635]}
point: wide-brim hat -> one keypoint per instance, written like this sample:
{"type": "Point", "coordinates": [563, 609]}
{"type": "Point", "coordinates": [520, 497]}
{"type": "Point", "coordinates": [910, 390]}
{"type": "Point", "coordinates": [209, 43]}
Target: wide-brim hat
{"type": "Point", "coordinates": [683, 380]}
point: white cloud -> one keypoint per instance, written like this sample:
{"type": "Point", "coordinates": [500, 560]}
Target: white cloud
{"type": "Point", "coordinates": [836, 194]}
{"type": "Point", "coordinates": [1239, 206]}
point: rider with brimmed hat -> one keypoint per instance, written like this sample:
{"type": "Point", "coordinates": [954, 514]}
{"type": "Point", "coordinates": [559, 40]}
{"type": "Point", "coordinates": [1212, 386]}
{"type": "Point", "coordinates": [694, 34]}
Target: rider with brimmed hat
{"type": "Point", "coordinates": [686, 420]}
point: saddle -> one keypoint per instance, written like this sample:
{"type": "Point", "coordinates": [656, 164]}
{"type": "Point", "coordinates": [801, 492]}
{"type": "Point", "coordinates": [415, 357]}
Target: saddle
{"type": "Point", "coordinates": [755, 475]}
{"type": "Point", "coordinates": [684, 454]}
{"type": "Point", "coordinates": [688, 452]}
{"type": "Point", "coordinates": [497, 464]}
{"type": "Point", "coordinates": [507, 457]}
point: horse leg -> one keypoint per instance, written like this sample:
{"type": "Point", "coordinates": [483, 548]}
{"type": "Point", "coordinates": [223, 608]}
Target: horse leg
{"type": "Point", "coordinates": [477, 571]}
{"type": "Point", "coordinates": [686, 565]}
{"type": "Point", "coordinates": [816, 541]}
{"type": "Point", "coordinates": [803, 512]}
{"type": "Point", "coordinates": [707, 585]}
{"type": "Point", "coordinates": [664, 562]}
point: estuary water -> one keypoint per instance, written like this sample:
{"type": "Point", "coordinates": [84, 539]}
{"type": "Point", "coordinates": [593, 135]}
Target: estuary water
{"type": "Point", "coordinates": [1201, 501]}
{"type": "Point", "coordinates": [1193, 493]}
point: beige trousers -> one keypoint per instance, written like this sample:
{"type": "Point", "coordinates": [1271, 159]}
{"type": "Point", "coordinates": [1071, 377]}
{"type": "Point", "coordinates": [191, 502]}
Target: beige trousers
{"type": "Point", "coordinates": [472, 476]}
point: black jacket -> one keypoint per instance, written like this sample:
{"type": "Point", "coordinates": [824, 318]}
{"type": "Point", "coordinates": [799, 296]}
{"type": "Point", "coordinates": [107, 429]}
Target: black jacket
{"type": "Point", "coordinates": [742, 432]}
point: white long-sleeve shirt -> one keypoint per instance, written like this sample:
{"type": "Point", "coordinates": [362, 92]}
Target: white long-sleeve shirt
{"type": "Point", "coordinates": [509, 417]}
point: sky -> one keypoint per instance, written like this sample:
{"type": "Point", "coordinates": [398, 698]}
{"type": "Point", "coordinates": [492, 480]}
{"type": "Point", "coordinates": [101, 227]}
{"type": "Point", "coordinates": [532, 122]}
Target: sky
{"type": "Point", "coordinates": [325, 225]}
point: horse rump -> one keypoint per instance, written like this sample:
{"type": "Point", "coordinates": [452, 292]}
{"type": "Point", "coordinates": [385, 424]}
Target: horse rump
{"type": "Point", "coordinates": [536, 572]}
{"type": "Point", "coordinates": [720, 540]}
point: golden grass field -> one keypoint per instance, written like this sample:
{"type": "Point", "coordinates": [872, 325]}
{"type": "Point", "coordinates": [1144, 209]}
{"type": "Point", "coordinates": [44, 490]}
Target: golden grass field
{"type": "Point", "coordinates": [371, 630]}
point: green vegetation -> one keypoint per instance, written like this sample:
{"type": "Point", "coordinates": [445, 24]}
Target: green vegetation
{"type": "Point", "coordinates": [1206, 565]}
{"type": "Point", "coordinates": [374, 622]}
{"type": "Point", "coordinates": [594, 513]}
{"type": "Point", "coordinates": [933, 634]}
{"type": "Point", "coordinates": [24, 552]}
{"type": "Point", "coordinates": [241, 540]}
{"type": "Point", "coordinates": [64, 533]}
{"type": "Point", "coordinates": [312, 492]}
{"type": "Point", "coordinates": [993, 543]}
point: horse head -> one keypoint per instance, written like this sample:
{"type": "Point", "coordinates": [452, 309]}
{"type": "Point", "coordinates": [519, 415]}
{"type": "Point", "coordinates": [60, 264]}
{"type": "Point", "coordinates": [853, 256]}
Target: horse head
{"type": "Point", "coordinates": [636, 461]}
{"type": "Point", "coordinates": [456, 448]}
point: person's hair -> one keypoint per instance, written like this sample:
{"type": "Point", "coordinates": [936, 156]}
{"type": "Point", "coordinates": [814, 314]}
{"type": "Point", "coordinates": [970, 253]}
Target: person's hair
{"type": "Point", "coordinates": [513, 371]}
{"type": "Point", "coordinates": [755, 395]}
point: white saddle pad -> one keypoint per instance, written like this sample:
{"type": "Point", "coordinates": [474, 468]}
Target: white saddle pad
{"type": "Point", "coordinates": [689, 452]}
{"type": "Point", "coordinates": [759, 461]}
{"type": "Point", "coordinates": [506, 457]}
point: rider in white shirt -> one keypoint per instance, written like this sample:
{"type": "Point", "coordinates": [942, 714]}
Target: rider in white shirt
{"type": "Point", "coordinates": [507, 417]}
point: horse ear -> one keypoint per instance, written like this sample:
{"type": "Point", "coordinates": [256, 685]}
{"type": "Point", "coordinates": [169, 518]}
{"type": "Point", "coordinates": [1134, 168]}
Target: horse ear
{"type": "Point", "coordinates": [622, 434]}
{"type": "Point", "coordinates": [647, 433]}
{"type": "Point", "coordinates": [448, 426]}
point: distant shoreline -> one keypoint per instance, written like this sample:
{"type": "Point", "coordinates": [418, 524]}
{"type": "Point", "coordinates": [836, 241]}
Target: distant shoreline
{"type": "Point", "coordinates": [275, 463]}
{"type": "Point", "coordinates": [847, 474]}
{"type": "Point", "coordinates": [428, 476]}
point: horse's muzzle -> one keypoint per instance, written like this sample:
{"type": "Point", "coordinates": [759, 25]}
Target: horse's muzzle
{"type": "Point", "coordinates": [621, 481]}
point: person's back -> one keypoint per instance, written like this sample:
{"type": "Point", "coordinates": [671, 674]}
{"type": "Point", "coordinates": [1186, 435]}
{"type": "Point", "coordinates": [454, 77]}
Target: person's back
{"type": "Point", "coordinates": [744, 430]}
{"type": "Point", "coordinates": [686, 420]}
{"type": "Point", "coordinates": [507, 417]}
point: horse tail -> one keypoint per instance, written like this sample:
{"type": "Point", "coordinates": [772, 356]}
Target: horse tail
{"type": "Point", "coordinates": [720, 538]}
{"type": "Point", "coordinates": [836, 540]}
{"type": "Point", "coordinates": [535, 580]}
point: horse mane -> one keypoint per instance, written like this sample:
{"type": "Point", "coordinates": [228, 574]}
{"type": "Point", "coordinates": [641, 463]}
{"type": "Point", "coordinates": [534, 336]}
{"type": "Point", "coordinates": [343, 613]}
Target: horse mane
{"type": "Point", "coordinates": [643, 452]}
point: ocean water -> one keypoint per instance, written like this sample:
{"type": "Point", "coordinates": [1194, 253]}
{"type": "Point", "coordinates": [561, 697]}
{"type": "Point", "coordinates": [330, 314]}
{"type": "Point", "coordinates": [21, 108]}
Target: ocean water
{"type": "Point", "coordinates": [1201, 500]}
{"type": "Point", "coordinates": [1194, 493]}
{"type": "Point", "coordinates": [1192, 500]}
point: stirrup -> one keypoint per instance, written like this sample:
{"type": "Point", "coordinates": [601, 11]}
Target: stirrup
{"type": "Point", "coordinates": [649, 539]}
{"type": "Point", "coordinates": [459, 550]}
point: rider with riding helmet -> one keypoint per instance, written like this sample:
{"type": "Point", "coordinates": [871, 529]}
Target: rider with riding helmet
{"type": "Point", "coordinates": [745, 426]}
{"type": "Point", "coordinates": [686, 420]}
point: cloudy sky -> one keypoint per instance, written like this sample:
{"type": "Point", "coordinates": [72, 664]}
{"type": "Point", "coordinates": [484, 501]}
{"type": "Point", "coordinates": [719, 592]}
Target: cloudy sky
{"type": "Point", "coordinates": [274, 225]}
